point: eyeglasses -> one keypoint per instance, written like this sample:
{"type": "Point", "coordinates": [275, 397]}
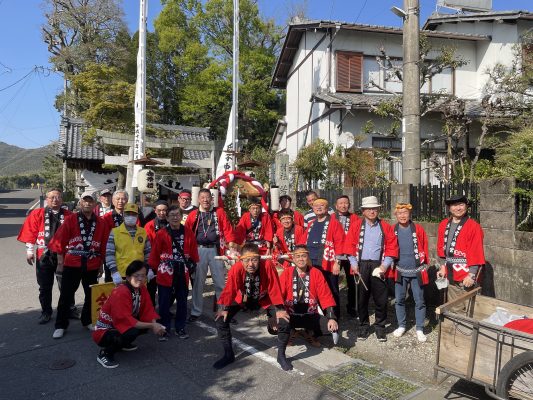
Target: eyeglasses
{"type": "Point", "coordinates": [139, 277]}
{"type": "Point", "coordinates": [249, 260]}
{"type": "Point", "coordinates": [174, 216]}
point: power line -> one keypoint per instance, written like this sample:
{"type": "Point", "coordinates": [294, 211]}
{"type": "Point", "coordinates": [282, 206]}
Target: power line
{"type": "Point", "coordinates": [360, 11]}
{"type": "Point", "coordinates": [34, 69]}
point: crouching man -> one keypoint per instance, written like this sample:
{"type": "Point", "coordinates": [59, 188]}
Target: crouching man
{"type": "Point", "coordinates": [252, 283]}
{"type": "Point", "coordinates": [303, 288]}
{"type": "Point", "coordinates": [127, 313]}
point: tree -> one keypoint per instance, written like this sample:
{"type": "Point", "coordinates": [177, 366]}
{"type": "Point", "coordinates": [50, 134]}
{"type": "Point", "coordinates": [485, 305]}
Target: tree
{"type": "Point", "coordinates": [198, 36]}
{"type": "Point", "coordinates": [357, 166]}
{"type": "Point", "coordinates": [514, 158]}
{"type": "Point", "coordinates": [312, 162]}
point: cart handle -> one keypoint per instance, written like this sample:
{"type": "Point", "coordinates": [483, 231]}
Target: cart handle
{"type": "Point", "coordinates": [451, 304]}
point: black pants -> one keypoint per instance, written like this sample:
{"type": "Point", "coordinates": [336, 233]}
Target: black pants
{"type": "Point", "coordinates": [378, 289]}
{"type": "Point", "coordinates": [72, 276]}
{"type": "Point", "coordinates": [223, 327]}
{"type": "Point", "coordinates": [152, 289]}
{"type": "Point", "coordinates": [113, 340]}
{"type": "Point", "coordinates": [107, 274]}
{"type": "Point", "coordinates": [333, 284]}
{"type": "Point", "coordinates": [350, 305]}
{"type": "Point", "coordinates": [45, 269]}
{"type": "Point", "coordinates": [306, 321]}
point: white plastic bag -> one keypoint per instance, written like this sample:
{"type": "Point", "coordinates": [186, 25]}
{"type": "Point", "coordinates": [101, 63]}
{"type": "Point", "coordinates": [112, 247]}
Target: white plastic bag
{"type": "Point", "coordinates": [501, 317]}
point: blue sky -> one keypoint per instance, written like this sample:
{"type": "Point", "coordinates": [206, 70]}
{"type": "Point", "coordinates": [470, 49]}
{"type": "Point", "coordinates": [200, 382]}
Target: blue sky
{"type": "Point", "coordinates": [28, 118]}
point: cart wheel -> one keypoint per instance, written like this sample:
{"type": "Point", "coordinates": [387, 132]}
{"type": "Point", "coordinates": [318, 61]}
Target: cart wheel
{"type": "Point", "coordinates": [516, 378]}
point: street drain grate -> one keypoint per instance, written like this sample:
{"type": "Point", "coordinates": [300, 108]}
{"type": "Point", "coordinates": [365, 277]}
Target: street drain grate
{"type": "Point", "coordinates": [359, 381]}
{"type": "Point", "coordinates": [62, 364]}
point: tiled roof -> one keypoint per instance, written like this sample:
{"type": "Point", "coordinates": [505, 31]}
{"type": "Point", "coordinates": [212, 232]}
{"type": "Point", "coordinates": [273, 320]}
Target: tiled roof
{"type": "Point", "coordinates": [71, 131]}
{"type": "Point", "coordinates": [436, 18]}
{"type": "Point", "coordinates": [182, 132]}
{"type": "Point", "coordinates": [70, 145]}
{"type": "Point", "coordinates": [365, 101]}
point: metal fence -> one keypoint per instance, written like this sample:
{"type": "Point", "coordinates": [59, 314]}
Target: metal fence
{"type": "Point", "coordinates": [523, 202]}
{"type": "Point", "coordinates": [428, 201]}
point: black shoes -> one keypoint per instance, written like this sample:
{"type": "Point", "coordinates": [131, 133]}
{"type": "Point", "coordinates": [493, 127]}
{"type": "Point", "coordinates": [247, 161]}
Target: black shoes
{"type": "Point", "coordinates": [282, 359]}
{"type": "Point", "coordinates": [381, 336]}
{"type": "Point", "coordinates": [192, 319]}
{"type": "Point", "coordinates": [74, 313]}
{"type": "Point", "coordinates": [362, 334]}
{"type": "Point", "coordinates": [106, 360]}
{"type": "Point", "coordinates": [44, 318]}
{"type": "Point", "coordinates": [129, 347]}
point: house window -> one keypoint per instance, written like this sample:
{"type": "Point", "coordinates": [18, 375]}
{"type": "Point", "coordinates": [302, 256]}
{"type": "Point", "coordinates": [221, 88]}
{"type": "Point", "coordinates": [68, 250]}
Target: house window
{"type": "Point", "coordinates": [392, 82]}
{"type": "Point", "coordinates": [372, 74]}
{"type": "Point", "coordinates": [349, 71]}
{"type": "Point", "coordinates": [443, 82]}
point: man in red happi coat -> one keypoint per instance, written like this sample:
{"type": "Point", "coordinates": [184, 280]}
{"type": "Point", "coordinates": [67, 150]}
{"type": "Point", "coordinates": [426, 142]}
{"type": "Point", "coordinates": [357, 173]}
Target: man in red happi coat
{"type": "Point", "coordinates": [460, 248]}
{"type": "Point", "coordinates": [126, 314]}
{"type": "Point", "coordinates": [255, 226]}
{"type": "Point", "coordinates": [174, 256]}
{"type": "Point", "coordinates": [252, 284]}
{"type": "Point", "coordinates": [80, 244]}
{"type": "Point", "coordinates": [346, 219]}
{"type": "Point", "coordinates": [325, 243]}
{"type": "Point", "coordinates": [285, 202]}
{"type": "Point", "coordinates": [214, 233]}
{"type": "Point", "coordinates": [410, 269]}
{"type": "Point", "coordinates": [288, 235]}
{"type": "Point", "coordinates": [371, 247]}
{"type": "Point", "coordinates": [38, 229]}
{"type": "Point", "coordinates": [303, 289]}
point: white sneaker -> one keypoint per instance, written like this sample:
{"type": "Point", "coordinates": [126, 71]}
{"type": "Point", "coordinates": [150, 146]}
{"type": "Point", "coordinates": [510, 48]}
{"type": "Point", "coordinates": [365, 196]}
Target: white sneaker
{"type": "Point", "coordinates": [421, 337]}
{"type": "Point", "coordinates": [398, 332]}
{"type": "Point", "coordinates": [58, 333]}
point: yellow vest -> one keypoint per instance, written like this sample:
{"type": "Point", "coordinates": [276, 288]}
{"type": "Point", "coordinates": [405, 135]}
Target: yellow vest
{"type": "Point", "coordinates": [128, 249]}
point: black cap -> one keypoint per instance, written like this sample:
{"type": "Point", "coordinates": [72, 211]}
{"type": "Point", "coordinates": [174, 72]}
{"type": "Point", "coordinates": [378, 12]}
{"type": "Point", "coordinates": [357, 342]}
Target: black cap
{"type": "Point", "coordinates": [161, 202]}
{"type": "Point", "coordinates": [456, 198]}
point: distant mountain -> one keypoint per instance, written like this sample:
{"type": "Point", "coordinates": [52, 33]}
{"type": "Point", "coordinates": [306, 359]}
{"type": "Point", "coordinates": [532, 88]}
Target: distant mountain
{"type": "Point", "coordinates": [17, 161]}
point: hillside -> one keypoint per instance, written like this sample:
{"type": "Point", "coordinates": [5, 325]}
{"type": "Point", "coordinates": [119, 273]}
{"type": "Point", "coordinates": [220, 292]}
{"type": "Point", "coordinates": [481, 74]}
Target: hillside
{"type": "Point", "coordinates": [16, 161]}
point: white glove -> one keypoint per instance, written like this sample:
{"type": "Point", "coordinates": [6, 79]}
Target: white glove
{"type": "Point", "coordinates": [377, 272]}
{"type": "Point", "coordinates": [117, 279]}
{"type": "Point", "coordinates": [150, 275]}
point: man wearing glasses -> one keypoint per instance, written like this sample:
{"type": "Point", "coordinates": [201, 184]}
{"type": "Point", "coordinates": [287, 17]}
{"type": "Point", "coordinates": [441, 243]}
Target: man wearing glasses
{"type": "Point", "coordinates": [174, 255]}
{"type": "Point", "coordinates": [125, 315]}
{"type": "Point", "coordinates": [252, 284]}
{"type": "Point", "coordinates": [185, 200]}
{"type": "Point", "coordinates": [36, 232]}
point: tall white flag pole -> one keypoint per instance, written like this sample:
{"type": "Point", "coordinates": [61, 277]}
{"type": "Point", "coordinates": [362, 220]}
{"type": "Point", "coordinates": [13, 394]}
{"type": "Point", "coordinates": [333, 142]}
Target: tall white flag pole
{"type": "Point", "coordinates": [140, 96]}
{"type": "Point", "coordinates": [235, 113]}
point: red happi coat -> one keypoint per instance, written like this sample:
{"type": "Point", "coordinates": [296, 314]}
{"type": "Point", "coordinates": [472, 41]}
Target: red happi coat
{"type": "Point", "coordinates": [300, 237]}
{"type": "Point", "coordinates": [68, 236]}
{"type": "Point", "coordinates": [150, 230]}
{"type": "Point", "coordinates": [423, 254]}
{"type": "Point", "coordinates": [319, 291]}
{"type": "Point", "coordinates": [116, 313]}
{"type": "Point", "coordinates": [32, 230]}
{"type": "Point", "coordinates": [334, 242]}
{"type": "Point", "coordinates": [162, 252]}
{"type": "Point", "coordinates": [269, 290]}
{"type": "Point", "coordinates": [390, 243]}
{"type": "Point", "coordinates": [469, 247]}
{"type": "Point", "coordinates": [245, 224]}
{"type": "Point", "coordinates": [298, 219]}
{"type": "Point", "coordinates": [224, 226]}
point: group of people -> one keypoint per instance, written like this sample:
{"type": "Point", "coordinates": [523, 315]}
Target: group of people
{"type": "Point", "coordinates": [287, 263]}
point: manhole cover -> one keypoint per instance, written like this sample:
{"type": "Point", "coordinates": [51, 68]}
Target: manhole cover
{"type": "Point", "coordinates": [62, 364]}
{"type": "Point", "coordinates": [361, 381]}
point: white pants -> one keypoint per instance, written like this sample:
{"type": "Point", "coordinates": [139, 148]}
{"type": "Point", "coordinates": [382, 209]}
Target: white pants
{"type": "Point", "coordinates": [218, 273]}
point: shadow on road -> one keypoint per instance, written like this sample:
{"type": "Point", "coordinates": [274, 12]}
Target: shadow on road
{"type": "Point", "coordinates": [9, 230]}
{"type": "Point", "coordinates": [17, 200]}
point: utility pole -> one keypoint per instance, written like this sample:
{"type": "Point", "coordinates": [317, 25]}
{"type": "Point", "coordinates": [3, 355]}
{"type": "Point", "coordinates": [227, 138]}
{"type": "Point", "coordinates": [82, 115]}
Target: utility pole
{"type": "Point", "coordinates": [411, 94]}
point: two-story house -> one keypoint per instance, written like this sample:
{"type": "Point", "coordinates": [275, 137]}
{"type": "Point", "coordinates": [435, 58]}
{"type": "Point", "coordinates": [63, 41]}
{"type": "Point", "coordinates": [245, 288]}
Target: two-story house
{"type": "Point", "coordinates": [333, 79]}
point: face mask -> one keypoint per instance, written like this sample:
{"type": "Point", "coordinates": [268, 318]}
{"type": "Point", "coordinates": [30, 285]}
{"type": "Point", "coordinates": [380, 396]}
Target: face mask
{"type": "Point", "coordinates": [130, 220]}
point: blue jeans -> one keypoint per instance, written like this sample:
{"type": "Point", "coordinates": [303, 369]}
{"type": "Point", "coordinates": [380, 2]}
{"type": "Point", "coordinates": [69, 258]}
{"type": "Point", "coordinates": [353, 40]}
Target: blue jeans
{"type": "Point", "coordinates": [400, 290]}
{"type": "Point", "coordinates": [166, 296]}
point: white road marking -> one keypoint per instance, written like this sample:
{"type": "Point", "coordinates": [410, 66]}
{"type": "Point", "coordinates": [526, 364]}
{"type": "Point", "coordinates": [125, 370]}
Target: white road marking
{"type": "Point", "coordinates": [250, 349]}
